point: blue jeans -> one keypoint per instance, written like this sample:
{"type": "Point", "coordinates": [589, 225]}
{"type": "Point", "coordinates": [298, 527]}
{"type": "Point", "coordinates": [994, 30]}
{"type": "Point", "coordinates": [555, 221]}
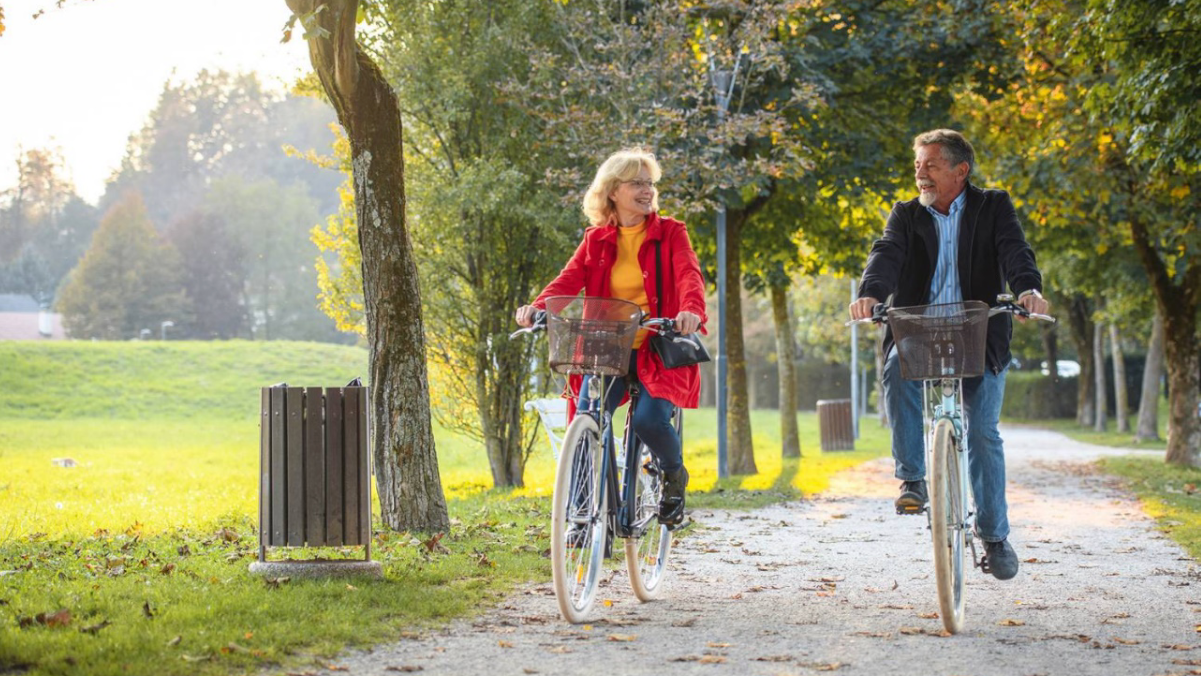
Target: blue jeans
{"type": "Point", "coordinates": [651, 420]}
{"type": "Point", "coordinates": [982, 398]}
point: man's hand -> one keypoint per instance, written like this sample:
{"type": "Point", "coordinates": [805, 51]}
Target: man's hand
{"type": "Point", "coordinates": [862, 308]}
{"type": "Point", "coordinates": [525, 315]}
{"type": "Point", "coordinates": [687, 322]}
{"type": "Point", "coordinates": [1035, 303]}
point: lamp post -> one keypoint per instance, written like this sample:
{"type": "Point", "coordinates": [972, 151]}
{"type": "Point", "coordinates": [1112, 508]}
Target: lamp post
{"type": "Point", "coordinates": [723, 85]}
{"type": "Point", "coordinates": [163, 329]}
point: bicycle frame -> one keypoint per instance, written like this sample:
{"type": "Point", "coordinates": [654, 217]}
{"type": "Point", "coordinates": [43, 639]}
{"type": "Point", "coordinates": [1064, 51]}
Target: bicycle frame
{"type": "Point", "coordinates": [615, 470]}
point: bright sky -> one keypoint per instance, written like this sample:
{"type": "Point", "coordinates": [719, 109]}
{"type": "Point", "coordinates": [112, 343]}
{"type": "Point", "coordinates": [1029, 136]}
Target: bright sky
{"type": "Point", "coordinates": [85, 77]}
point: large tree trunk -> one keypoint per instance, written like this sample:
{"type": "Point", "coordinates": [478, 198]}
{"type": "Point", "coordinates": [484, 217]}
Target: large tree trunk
{"type": "Point", "coordinates": [1080, 319]}
{"type": "Point", "coordinates": [1121, 411]}
{"type": "Point", "coordinates": [1178, 304]}
{"type": "Point", "coordinates": [406, 464]}
{"type": "Point", "coordinates": [790, 437]}
{"type": "Point", "coordinates": [1100, 422]}
{"type": "Point", "coordinates": [741, 452]}
{"type": "Point", "coordinates": [1148, 406]}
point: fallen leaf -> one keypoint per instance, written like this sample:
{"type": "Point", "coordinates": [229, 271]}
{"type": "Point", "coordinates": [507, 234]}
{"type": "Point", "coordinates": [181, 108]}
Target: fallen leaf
{"type": "Point", "coordinates": [684, 623]}
{"type": "Point", "coordinates": [1187, 663]}
{"type": "Point", "coordinates": [147, 610]}
{"type": "Point", "coordinates": [504, 644]}
{"type": "Point", "coordinates": [166, 570]}
{"type": "Point", "coordinates": [622, 637]}
{"type": "Point", "coordinates": [1007, 622]}
{"type": "Point", "coordinates": [335, 667]}
{"type": "Point", "coordinates": [928, 616]}
{"type": "Point", "coordinates": [712, 659]}
{"type": "Point", "coordinates": [736, 596]}
{"type": "Point", "coordinates": [560, 650]}
{"type": "Point", "coordinates": [1176, 646]}
{"type": "Point", "coordinates": [774, 658]}
{"type": "Point", "coordinates": [407, 668]}
{"type": "Point", "coordinates": [711, 644]}
{"type": "Point", "coordinates": [528, 670]}
{"type": "Point", "coordinates": [608, 603]}
{"type": "Point", "coordinates": [275, 582]}
{"type": "Point", "coordinates": [95, 628]}
{"type": "Point", "coordinates": [175, 641]}
{"type": "Point", "coordinates": [1124, 641]}
{"type": "Point", "coordinates": [228, 535]}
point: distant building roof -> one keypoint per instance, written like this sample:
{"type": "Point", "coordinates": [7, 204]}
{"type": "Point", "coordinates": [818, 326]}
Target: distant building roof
{"type": "Point", "coordinates": [18, 302]}
{"type": "Point", "coordinates": [24, 326]}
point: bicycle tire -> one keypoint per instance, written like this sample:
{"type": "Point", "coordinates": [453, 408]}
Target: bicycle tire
{"type": "Point", "coordinates": [947, 524]}
{"type": "Point", "coordinates": [579, 499]}
{"type": "Point", "coordinates": [646, 555]}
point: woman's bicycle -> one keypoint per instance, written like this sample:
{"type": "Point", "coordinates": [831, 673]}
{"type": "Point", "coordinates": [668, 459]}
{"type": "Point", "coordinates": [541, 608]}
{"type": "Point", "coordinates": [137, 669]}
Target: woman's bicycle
{"type": "Point", "coordinates": [599, 491]}
{"type": "Point", "coordinates": [941, 345]}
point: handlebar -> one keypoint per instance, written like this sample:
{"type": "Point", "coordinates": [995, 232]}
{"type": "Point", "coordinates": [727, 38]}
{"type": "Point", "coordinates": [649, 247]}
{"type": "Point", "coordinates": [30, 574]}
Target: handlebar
{"type": "Point", "coordinates": [1005, 303]}
{"type": "Point", "coordinates": [661, 325]}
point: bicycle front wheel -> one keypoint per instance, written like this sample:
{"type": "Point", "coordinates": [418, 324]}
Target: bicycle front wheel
{"type": "Point", "coordinates": [578, 519]}
{"type": "Point", "coordinates": [948, 512]}
{"type": "Point", "coordinates": [646, 555]}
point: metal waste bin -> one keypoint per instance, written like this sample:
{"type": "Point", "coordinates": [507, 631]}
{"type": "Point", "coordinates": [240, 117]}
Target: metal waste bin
{"type": "Point", "coordinates": [836, 425]}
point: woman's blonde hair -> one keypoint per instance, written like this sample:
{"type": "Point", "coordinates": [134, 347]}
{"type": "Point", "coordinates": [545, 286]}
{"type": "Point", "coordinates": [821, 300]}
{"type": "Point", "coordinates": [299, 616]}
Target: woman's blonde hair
{"type": "Point", "coordinates": [621, 166]}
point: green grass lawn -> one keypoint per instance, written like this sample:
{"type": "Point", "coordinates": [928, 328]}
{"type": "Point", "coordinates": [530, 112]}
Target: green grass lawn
{"type": "Point", "coordinates": [135, 559]}
{"type": "Point", "coordinates": [1111, 437]}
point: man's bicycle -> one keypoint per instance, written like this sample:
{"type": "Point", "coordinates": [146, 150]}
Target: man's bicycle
{"type": "Point", "coordinates": [599, 490]}
{"type": "Point", "coordinates": [941, 345]}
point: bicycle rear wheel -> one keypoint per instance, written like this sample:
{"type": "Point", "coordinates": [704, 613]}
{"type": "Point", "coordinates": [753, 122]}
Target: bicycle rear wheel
{"type": "Point", "coordinates": [948, 511]}
{"type": "Point", "coordinates": [646, 555]}
{"type": "Point", "coordinates": [578, 519]}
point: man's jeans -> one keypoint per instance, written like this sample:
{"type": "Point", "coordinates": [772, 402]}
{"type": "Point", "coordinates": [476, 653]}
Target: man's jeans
{"type": "Point", "coordinates": [982, 399]}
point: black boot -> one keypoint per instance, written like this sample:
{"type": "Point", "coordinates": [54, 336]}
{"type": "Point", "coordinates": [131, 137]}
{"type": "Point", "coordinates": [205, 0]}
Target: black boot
{"type": "Point", "coordinates": [671, 504]}
{"type": "Point", "coordinates": [913, 497]}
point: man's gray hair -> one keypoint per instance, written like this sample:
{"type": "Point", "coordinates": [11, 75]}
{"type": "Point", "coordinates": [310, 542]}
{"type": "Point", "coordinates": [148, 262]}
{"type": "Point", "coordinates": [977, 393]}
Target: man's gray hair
{"type": "Point", "coordinates": [955, 147]}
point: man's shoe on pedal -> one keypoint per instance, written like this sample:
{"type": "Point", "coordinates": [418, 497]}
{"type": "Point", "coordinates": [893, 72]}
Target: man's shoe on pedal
{"type": "Point", "coordinates": [913, 497]}
{"type": "Point", "coordinates": [999, 560]}
{"type": "Point", "coordinates": [671, 504]}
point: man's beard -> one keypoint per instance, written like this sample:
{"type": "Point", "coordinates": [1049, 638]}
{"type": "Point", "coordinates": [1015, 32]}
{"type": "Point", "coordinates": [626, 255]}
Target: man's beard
{"type": "Point", "coordinates": [927, 198]}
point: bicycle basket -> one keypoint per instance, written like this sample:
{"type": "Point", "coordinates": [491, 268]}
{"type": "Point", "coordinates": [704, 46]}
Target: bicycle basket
{"type": "Point", "coordinates": [591, 335]}
{"type": "Point", "coordinates": [940, 341]}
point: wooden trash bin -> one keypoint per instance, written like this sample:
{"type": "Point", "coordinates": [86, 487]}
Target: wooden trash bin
{"type": "Point", "coordinates": [315, 471]}
{"type": "Point", "coordinates": [836, 425]}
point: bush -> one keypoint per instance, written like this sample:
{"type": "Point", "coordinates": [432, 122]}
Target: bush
{"type": "Point", "coordinates": [1029, 395]}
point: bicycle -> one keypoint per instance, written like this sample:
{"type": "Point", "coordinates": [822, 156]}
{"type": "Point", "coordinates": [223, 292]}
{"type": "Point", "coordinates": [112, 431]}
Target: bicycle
{"type": "Point", "coordinates": [599, 491]}
{"type": "Point", "coordinates": [941, 345]}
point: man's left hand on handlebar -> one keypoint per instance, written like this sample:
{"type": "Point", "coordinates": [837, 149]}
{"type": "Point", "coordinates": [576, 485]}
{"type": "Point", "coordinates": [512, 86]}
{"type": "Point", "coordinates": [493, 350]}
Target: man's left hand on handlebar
{"type": "Point", "coordinates": [1033, 302]}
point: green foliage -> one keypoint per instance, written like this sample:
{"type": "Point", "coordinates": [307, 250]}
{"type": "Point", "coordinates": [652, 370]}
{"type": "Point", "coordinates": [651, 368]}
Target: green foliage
{"type": "Point", "coordinates": [1029, 395]}
{"type": "Point", "coordinates": [213, 274]}
{"type": "Point", "coordinates": [127, 281]}
{"type": "Point", "coordinates": [1170, 494]}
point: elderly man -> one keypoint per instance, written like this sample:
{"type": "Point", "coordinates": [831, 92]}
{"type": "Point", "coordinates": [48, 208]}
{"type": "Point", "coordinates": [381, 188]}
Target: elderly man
{"type": "Point", "coordinates": [955, 242]}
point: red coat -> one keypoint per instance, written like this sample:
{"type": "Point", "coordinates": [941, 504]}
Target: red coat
{"type": "Point", "coordinates": [683, 290]}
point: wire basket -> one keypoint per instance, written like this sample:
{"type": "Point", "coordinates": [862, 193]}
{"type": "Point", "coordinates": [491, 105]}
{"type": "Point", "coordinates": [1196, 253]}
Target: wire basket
{"type": "Point", "coordinates": [941, 341]}
{"type": "Point", "coordinates": [591, 335]}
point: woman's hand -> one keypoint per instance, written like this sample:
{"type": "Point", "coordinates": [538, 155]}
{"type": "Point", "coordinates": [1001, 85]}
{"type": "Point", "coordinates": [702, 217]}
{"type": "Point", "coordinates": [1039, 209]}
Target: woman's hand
{"type": "Point", "coordinates": [687, 322]}
{"type": "Point", "coordinates": [525, 315]}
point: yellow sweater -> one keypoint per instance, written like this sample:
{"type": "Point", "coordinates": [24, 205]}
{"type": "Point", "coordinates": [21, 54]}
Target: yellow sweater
{"type": "Point", "coordinates": [627, 281]}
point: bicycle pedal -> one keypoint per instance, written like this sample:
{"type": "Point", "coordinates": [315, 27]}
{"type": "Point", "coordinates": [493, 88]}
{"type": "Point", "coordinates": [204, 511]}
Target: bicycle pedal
{"type": "Point", "coordinates": [911, 510]}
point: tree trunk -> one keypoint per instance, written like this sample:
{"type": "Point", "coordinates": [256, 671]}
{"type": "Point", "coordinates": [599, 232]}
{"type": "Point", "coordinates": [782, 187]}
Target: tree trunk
{"type": "Point", "coordinates": [1080, 318]}
{"type": "Point", "coordinates": [741, 452]}
{"type": "Point", "coordinates": [790, 437]}
{"type": "Point", "coordinates": [406, 463]}
{"type": "Point", "coordinates": [1178, 305]}
{"type": "Point", "coordinates": [1148, 407]}
{"type": "Point", "coordinates": [1121, 411]}
{"type": "Point", "coordinates": [1100, 422]}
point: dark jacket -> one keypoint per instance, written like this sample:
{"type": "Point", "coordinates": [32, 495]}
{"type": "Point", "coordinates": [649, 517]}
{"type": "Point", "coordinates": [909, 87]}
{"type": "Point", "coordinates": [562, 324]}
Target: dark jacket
{"type": "Point", "coordinates": [992, 253]}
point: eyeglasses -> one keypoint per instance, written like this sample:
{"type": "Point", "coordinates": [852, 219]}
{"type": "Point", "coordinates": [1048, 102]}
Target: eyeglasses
{"type": "Point", "coordinates": [641, 184]}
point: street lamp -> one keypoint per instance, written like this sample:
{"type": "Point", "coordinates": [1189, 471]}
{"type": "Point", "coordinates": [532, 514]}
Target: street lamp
{"type": "Point", "coordinates": [723, 85]}
{"type": "Point", "coordinates": [163, 329]}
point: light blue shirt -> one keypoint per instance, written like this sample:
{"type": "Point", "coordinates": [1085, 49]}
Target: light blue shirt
{"type": "Point", "coordinates": [945, 287]}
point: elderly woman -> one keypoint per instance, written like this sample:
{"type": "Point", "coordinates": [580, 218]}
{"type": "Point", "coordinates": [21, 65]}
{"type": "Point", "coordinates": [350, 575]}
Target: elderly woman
{"type": "Point", "coordinates": [619, 259]}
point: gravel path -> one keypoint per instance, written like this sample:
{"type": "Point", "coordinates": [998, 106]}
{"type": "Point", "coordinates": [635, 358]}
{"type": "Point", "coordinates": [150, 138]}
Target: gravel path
{"type": "Point", "coordinates": [840, 584]}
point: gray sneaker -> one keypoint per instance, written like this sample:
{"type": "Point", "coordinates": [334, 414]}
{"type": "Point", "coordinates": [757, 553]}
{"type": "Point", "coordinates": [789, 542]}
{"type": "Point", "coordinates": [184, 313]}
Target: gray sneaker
{"type": "Point", "coordinates": [913, 497]}
{"type": "Point", "coordinates": [1000, 560]}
